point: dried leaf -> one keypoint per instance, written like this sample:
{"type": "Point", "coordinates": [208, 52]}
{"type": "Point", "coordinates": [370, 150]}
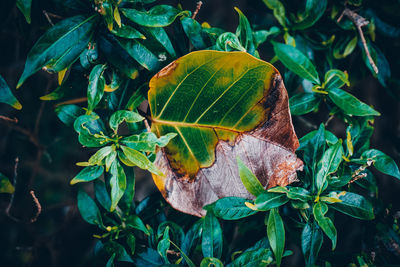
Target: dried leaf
{"type": "Point", "coordinates": [222, 105]}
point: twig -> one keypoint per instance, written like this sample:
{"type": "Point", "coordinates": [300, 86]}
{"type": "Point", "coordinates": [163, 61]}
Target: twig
{"type": "Point", "coordinates": [357, 173]}
{"type": "Point", "coordinates": [38, 207]}
{"type": "Point", "coordinates": [146, 123]}
{"type": "Point", "coordinates": [48, 17]}
{"type": "Point", "coordinates": [12, 196]}
{"type": "Point", "coordinates": [72, 101]}
{"type": "Point", "coordinates": [329, 120]}
{"type": "Point", "coordinates": [359, 22]}
{"type": "Point", "coordinates": [199, 4]}
{"type": "Point", "coordinates": [15, 120]}
{"type": "Point", "coordinates": [32, 138]}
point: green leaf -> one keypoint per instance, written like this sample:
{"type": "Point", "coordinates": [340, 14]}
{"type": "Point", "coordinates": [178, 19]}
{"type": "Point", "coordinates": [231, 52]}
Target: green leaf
{"type": "Point", "coordinates": [276, 235]}
{"type": "Point", "coordinates": [158, 16]}
{"type": "Point", "coordinates": [140, 160]}
{"type": "Point", "coordinates": [313, 12]}
{"type": "Point", "coordinates": [193, 31]}
{"type": "Point", "coordinates": [311, 242]}
{"type": "Point", "coordinates": [319, 211]}
{"type": "Point", "coordinates": [296, 61]}
{"type": "Point", "coordinates": [117, 183]}
{"type": "Point", "coordinates": [279, 10]}
{"type": "Point", "coordinates": [335, 79]}
{"type": "Point", "coordinates": [88, 174]}
{"type": "Point", "coordinates": [139, 52]}
{"type": "Point", "coordinates": [230, 208]}
{"type": "Point", "coordinates": [97, 158]}
{"type": "Point", "coordinates": [345, 47]}
{"type": "Point", "coordinates": [354, 205]}
{"type": "Point", "coordinates": [101, 194]}
{"type": "Point", "coordinates": [96, 86]}
{"type": "Point", "coordinates": [164, 245]}
{"type": "Point", "coordinates": [109, 159]}
{"type": "Point", "coordinates": [161, 36]}
{"type": "Point", "coordinates": [5, 185]}
{"type": "Point", "coordinates": [88, 209]}
{"type": "Point", "coordinates": [268, 200]}
{"type": "Point", "coordinates": [261, 36]}
{"type": "Point", "coordinates": [350, 104]}
{"type": "Point", "coordinates": [229, 42]}
{"type": "Point", "coordinates": [303, 103]}
{"type": "Point", "coordinates": [328, 164]}
{"type": "Point", "coordinates": [91, 131]}
{"type": "Point", "coordinates": [299, 193]}
{"type": "Point", "coordinates": [134, 221]}
{"type": "Point", "coordinates": [128, 32]}
{"type": "Point", "coordinates": [147, 141]}
{"type": "Point", "coordinates": [149, 257]}
{"type": "Point", "coordinates": [211, 244]}
{"type": "Point", "coordinates": [25, 7]}
{"type": "Point", "coordinates": [249, 180]}
{"type": "Point", "coordinates": [210, 261]}
{"type": "Point", "coordinates": [192, 237]}
{"type": "Point", "coordinates": [6, 96]}
{"type": "Point", "coordinates": [245, 33]}
{"type": "Point", "coordinates": [60, 46]}
{"type": "Point", "coordinates": [131, 242]}
{"type": "Point", "coordinates": [259, 257]}
{"type": "Point", "coordinates": [382, 162]}
{"type": "Point", "coordinates": [123, 115]}
{"type": "Point", "coordinates": [68, 113]}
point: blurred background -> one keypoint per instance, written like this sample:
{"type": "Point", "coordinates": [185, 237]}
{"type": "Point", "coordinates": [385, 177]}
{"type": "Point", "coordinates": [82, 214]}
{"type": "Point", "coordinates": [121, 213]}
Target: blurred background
{"type": "Point", "coordinates": [48, 150]}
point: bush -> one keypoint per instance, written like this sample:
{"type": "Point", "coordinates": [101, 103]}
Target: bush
{"type": "Point", "coordinates": [213, 127]}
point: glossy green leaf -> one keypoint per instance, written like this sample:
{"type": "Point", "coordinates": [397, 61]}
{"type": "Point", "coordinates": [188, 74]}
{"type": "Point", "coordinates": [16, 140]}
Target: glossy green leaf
{"type": "Point", "coordinates": [211, 244]}
{"type": "Point", "coordinates": [193, 31]}
{"type": "Point", "coordinates": [88, 209]}
{"type": "Point", "coordinates": [279, 10]}
{"type": "Point", "coordinates": [299, 193]}
{"type": "Point", "coordinates": [161, 36]}
{"type": "Point", "coordinates": [328, 164]}
{"type": "Point", "coordinates": [326, 224]}
{"type": "Point", "coordinates": [123, 115]}
{"type": "Point", "coordinates": [249, 180]}
{"type": "Point", "coordinates": [335, 79]}
{"type": "Point", "coordinates": [147, 141]}
{"type": "Point", "coordinates": [350, 104]}
{"type": "Point", "coordinates": [229, 42]}
{"type": "Point", "coordinates": [134, 221]}
{"type": "Point", "coordinates": [109, 159]}
{"type": "Point", "coordinates": [128, 32]}
{"type": "Point", "coordinates": [5, 185]}
{"type": "Point", "coordinates": [117, 183]}
{"type": "Point", "coordinates": [355, 206]}
{"type": "Point", "coordinates": [164, 245]}
{"type": "Point", "coordinates": [25, 7]}
{"type": "Point", "coordinates": [140, 160]}
{"type": "Point", "coordinates": [88, 174]}
{"type": "Point", "coordinates": [60, 46]}
{"type": "Point", "coordinates": [96, 86]}
{"type": "Point", "coordinates": [245, 33]}
{"type": "Point", "coordinates": [303, 103]}
{"type": "Point", "coordinates": [192, 237]}
{"type": "Point", "coordinates": [268, 200]}
{"type": "Point", "coordinates": [382, 162]}
{"type": "Point", "coordinates": [68, 113]}
{"type": "Point", "coordinates": [158, 16]}
{"type": "Point", "coordinates": [102, 196]}
{"type": "Point", "coordinates": [311, 242]}
{"type": "Point", "coordinates": [312, 13]}
{"type": "Point", "coordinates": [261, 36]}
{"type": "Point", "coordinates": [131, 242]}
{"type": "Point", "coordinates": [230, 208]}
{"type": "Point", "coordinates": [138, 51]}
{"type": "Point", "coordinates": [343, 48]}
{"type": "Point", "coordinates": [91, 131]}
{"type": "Point", "coordinates": [276, 235]}
{"type": "Point", "coordinates": [296, 61]}
{"type": "Point", "coordinates": [149, 257]}
{"type": "Point", "coordinates": [97, 158]}
{"type": "Point", "coordinates": [6, 96]}
{"type": "Point", "coordinates": [259, 257]}
{"type": "Point", "coordinates": [209, 261]}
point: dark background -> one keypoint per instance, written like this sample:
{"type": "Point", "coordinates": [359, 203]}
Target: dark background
{"type": "Point", "coordinates": [48, 150]}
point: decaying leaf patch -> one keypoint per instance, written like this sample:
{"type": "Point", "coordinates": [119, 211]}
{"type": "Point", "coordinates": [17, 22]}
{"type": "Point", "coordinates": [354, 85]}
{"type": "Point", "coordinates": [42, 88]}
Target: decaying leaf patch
{"type": "Point", "coordinates": [222, 105]}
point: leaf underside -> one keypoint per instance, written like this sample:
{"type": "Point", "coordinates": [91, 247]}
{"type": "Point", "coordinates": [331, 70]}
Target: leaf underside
{"type": "Point", "coordinates": [222, 105]}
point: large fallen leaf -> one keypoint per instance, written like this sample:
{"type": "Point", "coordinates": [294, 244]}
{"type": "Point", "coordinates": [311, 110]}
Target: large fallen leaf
{"type": "Point", "coordinates": [222, 105]}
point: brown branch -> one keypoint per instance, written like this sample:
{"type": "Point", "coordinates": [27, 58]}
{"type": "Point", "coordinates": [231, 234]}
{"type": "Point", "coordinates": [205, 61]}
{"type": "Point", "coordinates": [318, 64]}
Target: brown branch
{"type": "Point", "coordinates": [359, 22]}
{"type": "Point", "coordinates": [32, 138]}
{"type": "Point", "coordinates": [12, 196]}
{"type": "Point", "coordinates": [38, 207]}
{"type": "Point", "coordinates": [199, 4]}
{"type": "Point", "coordinates": [73, 101]}
{"type": "Point", "coordinates": [48, 17]}
{"type": "Point", "coordinates": [14, 120]}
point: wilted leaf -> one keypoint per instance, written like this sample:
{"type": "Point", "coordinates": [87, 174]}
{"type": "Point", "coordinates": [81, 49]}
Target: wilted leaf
{"type": "Point", "coordinates": [221, 105]}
